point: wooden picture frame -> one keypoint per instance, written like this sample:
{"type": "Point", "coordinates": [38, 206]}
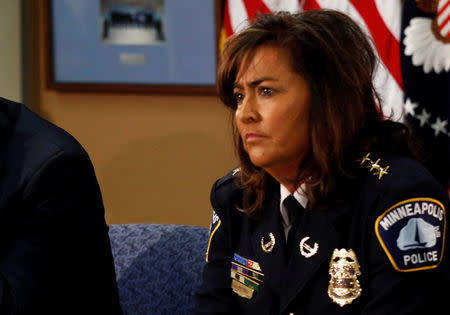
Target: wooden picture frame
{"type": "Point", "coordinates": [184, 62]}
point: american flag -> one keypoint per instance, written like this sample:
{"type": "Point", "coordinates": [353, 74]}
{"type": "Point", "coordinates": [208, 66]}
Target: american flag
{"type": "Point", "coordinates": [382, 21]}
{"type": "Point", "coordinates": [425, 60]}
{"type": "Point", "coordinates": [379, 18]}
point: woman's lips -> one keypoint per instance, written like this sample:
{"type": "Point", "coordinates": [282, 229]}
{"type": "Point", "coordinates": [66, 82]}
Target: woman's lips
{"type": "Point", "coordinates": [251, 137]}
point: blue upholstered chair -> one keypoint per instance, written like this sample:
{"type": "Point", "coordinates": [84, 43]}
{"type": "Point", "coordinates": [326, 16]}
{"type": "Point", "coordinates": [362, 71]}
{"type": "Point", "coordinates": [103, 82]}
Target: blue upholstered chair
{"type": "Point", "coordinates": [158, 266]}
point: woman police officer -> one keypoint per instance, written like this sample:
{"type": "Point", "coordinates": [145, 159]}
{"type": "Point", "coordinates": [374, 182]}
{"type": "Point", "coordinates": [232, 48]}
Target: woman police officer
{"type": "Point", "coordinates": [328, 212]}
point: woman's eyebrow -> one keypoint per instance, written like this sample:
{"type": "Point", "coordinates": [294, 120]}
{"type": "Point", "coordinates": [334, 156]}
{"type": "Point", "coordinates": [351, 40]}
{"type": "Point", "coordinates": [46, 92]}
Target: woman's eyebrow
{"type": "Point", "coordinates": [255, 82]}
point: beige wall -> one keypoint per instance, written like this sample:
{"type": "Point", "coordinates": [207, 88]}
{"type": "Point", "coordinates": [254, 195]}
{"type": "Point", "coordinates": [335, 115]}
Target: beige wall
{"type": "Point", "coordinates": [155, 156]}
{"type": "Point", "coordinates": [10, 61]}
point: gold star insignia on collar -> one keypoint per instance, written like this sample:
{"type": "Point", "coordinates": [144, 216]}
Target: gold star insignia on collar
{"type": "Point", "coordinates": [364, 159]}
{"type": "Point", "coordinates": [381, 172]}
{"type": "Point", "coordinates": [374, 167]}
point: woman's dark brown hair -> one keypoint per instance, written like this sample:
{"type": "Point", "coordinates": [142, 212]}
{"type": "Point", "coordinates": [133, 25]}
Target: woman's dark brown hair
{"type": "Point", "coordinates": [337, 60]}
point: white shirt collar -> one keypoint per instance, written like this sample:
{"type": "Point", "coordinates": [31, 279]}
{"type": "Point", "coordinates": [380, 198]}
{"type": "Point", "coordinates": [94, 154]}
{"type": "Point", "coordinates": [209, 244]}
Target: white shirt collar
{"type": "Point", "coordinates": [299, 194]}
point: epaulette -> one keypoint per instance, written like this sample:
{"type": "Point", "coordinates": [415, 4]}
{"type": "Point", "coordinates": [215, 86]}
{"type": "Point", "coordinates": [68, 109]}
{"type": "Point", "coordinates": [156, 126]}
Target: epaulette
{"type": "Point", "coordinates": [374, 167]}
{"type": "Point", "coordinates": [230, 176]}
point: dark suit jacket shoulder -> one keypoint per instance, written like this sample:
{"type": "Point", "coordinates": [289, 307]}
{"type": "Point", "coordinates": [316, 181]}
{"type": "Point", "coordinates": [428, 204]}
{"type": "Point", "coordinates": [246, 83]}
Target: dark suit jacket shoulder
{"type": "Point", "coordinates": [28, 142]}
{"type": "Point", "coordinates": [55, 255]}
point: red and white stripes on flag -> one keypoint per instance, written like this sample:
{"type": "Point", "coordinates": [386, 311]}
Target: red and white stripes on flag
{"type": "Point", "coordinates": [381, 19]}
{"type": "Point", "coordinates": [237, 12]}
{"type": "Point", "coordinates": [443, 18]}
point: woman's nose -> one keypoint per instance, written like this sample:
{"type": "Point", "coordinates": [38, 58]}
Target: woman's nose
{"type": "Point", "coordinates": [247, 111]}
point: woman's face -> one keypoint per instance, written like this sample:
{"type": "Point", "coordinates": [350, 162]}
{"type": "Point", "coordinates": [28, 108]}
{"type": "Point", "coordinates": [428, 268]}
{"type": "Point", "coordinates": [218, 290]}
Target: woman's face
{"type": "Point", "coordinates": [272, 114]}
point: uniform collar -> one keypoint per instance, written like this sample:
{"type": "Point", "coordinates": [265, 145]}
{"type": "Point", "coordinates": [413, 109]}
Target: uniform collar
{"type": "Point", "coordinates": [299, 195]}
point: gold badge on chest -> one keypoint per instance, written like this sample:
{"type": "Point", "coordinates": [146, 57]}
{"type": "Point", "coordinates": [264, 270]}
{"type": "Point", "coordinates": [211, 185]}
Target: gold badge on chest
{"type": "Point", "coordinates": [344, 269]}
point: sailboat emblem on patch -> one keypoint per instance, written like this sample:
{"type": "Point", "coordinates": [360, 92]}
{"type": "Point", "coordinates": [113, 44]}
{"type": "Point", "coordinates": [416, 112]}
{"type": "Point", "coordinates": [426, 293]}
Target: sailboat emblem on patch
{"type": "Point", "coordinates": [412, 233]}
{"type": "Point", "coordinates": [417, 233]}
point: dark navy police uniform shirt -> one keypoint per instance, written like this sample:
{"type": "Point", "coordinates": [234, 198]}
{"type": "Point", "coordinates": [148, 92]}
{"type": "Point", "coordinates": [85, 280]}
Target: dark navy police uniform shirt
{"type": "Point", "coordinates": [382, 249]}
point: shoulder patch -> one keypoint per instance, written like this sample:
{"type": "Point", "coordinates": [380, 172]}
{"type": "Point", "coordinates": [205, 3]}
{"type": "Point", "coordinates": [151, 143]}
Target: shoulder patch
{"type": "Point", "coordinates": [215, 223]}
{"type": "Point", "coordinates": [412, 233]}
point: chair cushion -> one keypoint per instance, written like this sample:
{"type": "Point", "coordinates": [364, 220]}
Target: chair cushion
{"type": "Point", "coordinates": [158, 266]}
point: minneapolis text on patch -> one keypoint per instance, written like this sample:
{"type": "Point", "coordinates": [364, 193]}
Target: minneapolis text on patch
{"type": "Point", "coordinates": [411, 209]}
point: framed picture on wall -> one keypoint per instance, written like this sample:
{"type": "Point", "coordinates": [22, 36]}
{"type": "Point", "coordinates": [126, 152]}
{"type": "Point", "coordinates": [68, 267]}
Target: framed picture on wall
{"type": "Point", "coordinates": [161, 46]}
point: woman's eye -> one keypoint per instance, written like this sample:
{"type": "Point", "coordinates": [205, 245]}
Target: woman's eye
{"type": "Point", "coordinates": [265, 91]}
{"type": "Point", "coordinates": [238, 97]}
